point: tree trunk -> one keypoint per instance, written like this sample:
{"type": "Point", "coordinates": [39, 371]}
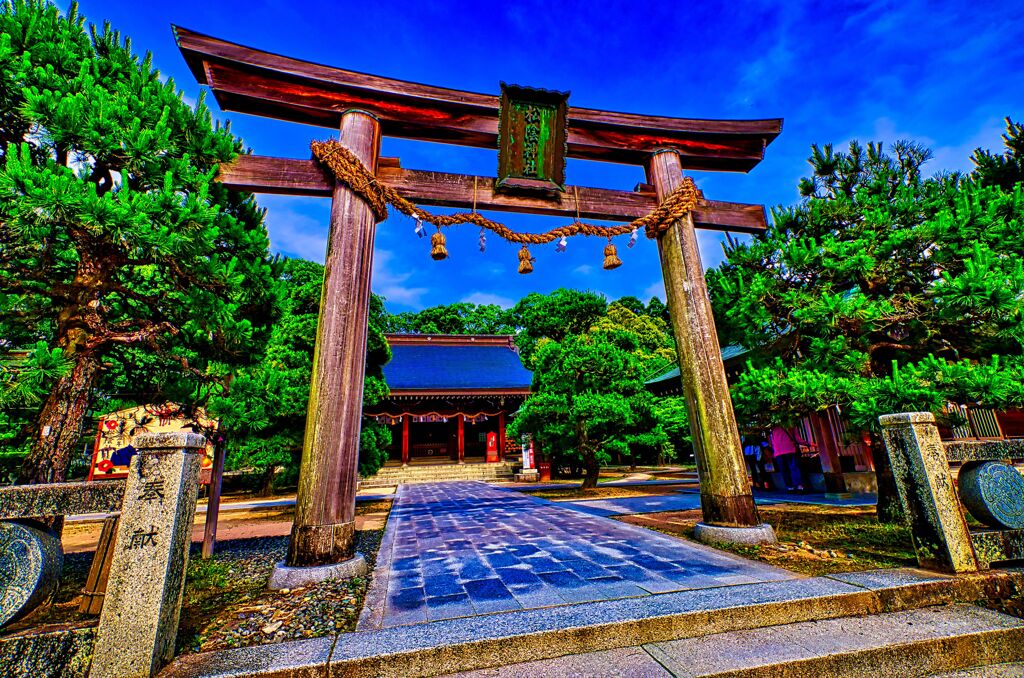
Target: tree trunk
{"type": "Point", "coordinates": [267, 482]}
{"type": "Point", "coordinates": [593, 469]}
{"type": "Point", "coordinates": [889, 510]}
{"type": "Point", "coordinates": [60, 424]}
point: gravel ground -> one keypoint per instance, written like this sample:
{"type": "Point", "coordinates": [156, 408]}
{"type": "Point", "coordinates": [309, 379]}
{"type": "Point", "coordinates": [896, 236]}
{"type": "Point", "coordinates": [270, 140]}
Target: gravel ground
{"type": "Point", "coordinates": [227, 603]}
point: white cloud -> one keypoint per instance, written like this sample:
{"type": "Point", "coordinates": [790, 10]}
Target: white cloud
{"type": "Point", "coordinates": [484, 298]}
{"type": "Point", "coordinates": [293, 232]}
{"type": "Point", "coordinates": [583, 269]}
{"type": "Point", "coordinates": [391, 284]}
{"type": "Point", "coordinates": [656, 289]}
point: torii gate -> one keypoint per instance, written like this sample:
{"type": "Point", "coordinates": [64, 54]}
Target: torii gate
{"type": "Point", "coordinates": [365, 107]}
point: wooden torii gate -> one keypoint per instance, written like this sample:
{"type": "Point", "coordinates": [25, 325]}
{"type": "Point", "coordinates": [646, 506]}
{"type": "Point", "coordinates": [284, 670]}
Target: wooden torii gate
{"type": "Point", "coordinates": [364, 108]}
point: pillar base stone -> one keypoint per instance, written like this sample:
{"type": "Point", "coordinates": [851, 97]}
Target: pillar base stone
{"type": "Point", "coordinates": [285, 577]}
{"type": "Point", "coordinates": [710, 534]}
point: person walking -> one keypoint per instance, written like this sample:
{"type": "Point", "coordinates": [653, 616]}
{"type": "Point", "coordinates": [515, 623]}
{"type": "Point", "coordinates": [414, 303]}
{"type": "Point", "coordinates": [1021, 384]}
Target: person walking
{"type": "Point", "coordinates": [786, 444]}
{"type": "Point", "coordinates": [753, 454]}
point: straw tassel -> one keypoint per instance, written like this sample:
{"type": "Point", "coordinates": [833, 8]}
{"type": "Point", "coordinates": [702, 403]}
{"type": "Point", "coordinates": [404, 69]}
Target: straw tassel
{"type": "Point", "coordinates": [437, 246]}
{"type": "Point", "coordinates": [611, 257]}
{"type": "Point", "coordinates": [525, 261]}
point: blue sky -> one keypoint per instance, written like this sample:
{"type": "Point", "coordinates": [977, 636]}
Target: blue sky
{"type": "Point", "coordinates": [942, 73]}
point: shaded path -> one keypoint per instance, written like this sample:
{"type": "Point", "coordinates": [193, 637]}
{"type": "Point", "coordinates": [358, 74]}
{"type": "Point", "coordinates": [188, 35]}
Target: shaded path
{"type": "Point", "coordinates": [458, 549]}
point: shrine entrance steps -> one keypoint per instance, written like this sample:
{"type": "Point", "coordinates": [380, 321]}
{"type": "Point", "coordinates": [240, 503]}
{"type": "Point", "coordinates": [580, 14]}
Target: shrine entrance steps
{"type": "Point", "coordinates": [433, 472]}
{"type": "Point", "coordinates": [390, 476]}
{"type": "Point", "coordinates": [904, 622]}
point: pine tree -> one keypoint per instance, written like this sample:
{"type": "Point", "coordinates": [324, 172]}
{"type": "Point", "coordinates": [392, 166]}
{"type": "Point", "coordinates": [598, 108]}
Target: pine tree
{"type": "Point", "coordinates": [882, 291]}
{"type": "Point", "coordinates": [264, 411]}
{"type": "Point", "coordinates": [113, 233]}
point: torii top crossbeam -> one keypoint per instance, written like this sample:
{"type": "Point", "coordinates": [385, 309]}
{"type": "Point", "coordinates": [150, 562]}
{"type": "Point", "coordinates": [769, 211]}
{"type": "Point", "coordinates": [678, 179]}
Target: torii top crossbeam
{"type": "Point", "coordinates": [248, 80]}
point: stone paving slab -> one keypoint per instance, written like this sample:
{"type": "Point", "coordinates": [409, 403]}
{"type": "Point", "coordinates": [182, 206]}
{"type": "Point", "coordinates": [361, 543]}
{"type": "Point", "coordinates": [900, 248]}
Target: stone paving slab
{"type": "Point", "coordinates": [459, 549]}
{"type": "Point", "coordinates": [677, 501]}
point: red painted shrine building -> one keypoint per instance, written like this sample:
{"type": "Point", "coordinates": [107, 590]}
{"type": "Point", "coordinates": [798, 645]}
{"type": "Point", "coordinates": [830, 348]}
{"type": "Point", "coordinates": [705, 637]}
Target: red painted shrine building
{"type": "Point", "coordinates": [451, 397]}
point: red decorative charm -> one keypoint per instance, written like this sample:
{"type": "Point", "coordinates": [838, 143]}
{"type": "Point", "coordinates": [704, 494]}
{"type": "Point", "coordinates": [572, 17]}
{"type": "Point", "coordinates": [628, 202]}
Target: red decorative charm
{"type": "Point", "coordinates": [105, 466]}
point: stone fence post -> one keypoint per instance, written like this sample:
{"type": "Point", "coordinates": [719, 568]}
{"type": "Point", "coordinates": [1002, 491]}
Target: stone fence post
{"type": "Point", "coordinates": [921, 471]}
{"type": "Point", "coordinates": [139, 621]}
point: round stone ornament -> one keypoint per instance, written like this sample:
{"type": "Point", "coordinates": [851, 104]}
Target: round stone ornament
{"type": "Point", "coordinates": [993, 492]}
{"type": "Point", "coordinates": [30, 564]}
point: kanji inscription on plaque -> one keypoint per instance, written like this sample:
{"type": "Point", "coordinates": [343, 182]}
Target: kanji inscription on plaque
{"type": "Point", "coordinates": [532, 140]}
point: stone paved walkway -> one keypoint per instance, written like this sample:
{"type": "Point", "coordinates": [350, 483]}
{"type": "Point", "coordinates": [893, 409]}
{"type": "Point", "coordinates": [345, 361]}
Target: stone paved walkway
{"type": "Point", "coordinates": [459, 549]}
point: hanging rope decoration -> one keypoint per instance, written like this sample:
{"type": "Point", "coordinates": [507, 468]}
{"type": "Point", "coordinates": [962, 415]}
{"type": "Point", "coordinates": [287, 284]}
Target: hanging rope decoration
{"type": "Point", "coordinates": [525, 260]}
{"type": "Point", "coordinates": [611, 257]}
{"type": "Point", "coordinates": [438, 251]}
{"type": "Point", "coordinates": [349, 170]}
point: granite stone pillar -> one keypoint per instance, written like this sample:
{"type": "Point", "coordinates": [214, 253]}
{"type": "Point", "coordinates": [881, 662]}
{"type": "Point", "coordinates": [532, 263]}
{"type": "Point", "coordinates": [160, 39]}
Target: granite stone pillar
{"type": "Point", "coordinates": [139, 620]}
{"type": "Point", "coordinates": [921, 471]}
{"type": "Point", "coordinates": [727, 502]}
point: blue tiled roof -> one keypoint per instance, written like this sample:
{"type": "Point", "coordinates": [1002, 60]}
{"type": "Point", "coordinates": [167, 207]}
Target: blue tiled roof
{"type": "Point", "coordinates": [444, 366]}
{"type": "Point", "coordinates": [728, 353]}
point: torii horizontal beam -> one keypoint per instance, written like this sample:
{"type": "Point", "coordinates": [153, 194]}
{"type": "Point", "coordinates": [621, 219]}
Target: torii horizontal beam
{"type": "Point", "coordinates": [287, 176]}
{"type": "Point", "coordinates": [249, 80]}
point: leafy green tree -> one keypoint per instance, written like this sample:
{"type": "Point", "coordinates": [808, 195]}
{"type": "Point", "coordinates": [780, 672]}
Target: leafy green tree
{"type": "Point", "coordinates": [632, 303]}
{"type": "Point", "coordinates": [113, 233]}
{"type": "Point", "coordinates": [655, 349]}
{"type": "Point", "coordinates": [674, 419]}
{"type": "Point", "coordinates": [458, 318]}
{"type": "Point", "coordinates": [264, 411]}
{"type": "Point", "coordinates": [588, 402]}
{"type": "Point", "coordinates": [656, 308]}
{"type": "Point", "coordinates": [554, 317]}
{"type": "Point", "coordinates": [874, 291]}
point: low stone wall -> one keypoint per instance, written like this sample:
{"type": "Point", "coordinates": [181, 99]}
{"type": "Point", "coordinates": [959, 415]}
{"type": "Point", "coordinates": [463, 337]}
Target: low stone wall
{"type": "Point", "coordinates": [61, 499]}
{"type": "Point", "coordinates": [64, 653]}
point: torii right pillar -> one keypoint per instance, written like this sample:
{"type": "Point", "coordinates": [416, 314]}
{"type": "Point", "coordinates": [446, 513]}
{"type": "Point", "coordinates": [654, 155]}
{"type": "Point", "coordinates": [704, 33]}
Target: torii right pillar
{"type": "Point", "coordinates": [730, 514]}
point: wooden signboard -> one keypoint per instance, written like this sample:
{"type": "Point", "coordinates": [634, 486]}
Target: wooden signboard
{"type": "Point", "coordinates": [531, 140]}
{"type": "Point", "coordinates": [113, 450]}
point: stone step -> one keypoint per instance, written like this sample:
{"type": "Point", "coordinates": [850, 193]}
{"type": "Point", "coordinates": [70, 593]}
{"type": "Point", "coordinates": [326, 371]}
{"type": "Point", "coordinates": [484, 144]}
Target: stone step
{"type": "Point", "coordinates": [390, 475]}
{"type": "Point", "coordinates": [907, 643]}
{"type": "Point", "coordinates": [1010, 670]}
{"type": "Point", "coordinates": [496, 640]}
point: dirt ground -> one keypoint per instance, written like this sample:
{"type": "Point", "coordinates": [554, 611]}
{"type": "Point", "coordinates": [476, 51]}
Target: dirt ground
{"type": "Point", "coordinates": [80, 537]}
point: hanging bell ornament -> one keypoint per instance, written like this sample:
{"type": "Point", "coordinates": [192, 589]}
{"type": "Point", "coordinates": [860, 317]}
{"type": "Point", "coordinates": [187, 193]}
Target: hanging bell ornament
{"type": "Point", "coordinates": [611, 257]}
{"type": "Point", "coordinates": [438, 251]}
{"type": "Point", "coordinates": [525, 261]}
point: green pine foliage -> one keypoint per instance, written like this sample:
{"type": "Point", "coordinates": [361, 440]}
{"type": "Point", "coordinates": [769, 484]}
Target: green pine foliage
{"type": "Point", "coordinates": [264, 411]}
{"type": "Point", "coordinates": [883, 291]}
{"type": "Point", "coordinates": [114, 235]}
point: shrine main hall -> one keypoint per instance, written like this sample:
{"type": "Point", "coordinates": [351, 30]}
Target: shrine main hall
{"type": "Point", "coordinates": [451, 397]}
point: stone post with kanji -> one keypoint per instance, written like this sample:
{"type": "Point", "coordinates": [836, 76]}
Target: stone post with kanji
{"type": "Point", "coordinates": [139, 620]}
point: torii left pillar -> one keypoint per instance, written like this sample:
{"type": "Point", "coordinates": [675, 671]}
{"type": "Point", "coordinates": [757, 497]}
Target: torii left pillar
{"type": "Point", "coordinates": [323, 536]}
